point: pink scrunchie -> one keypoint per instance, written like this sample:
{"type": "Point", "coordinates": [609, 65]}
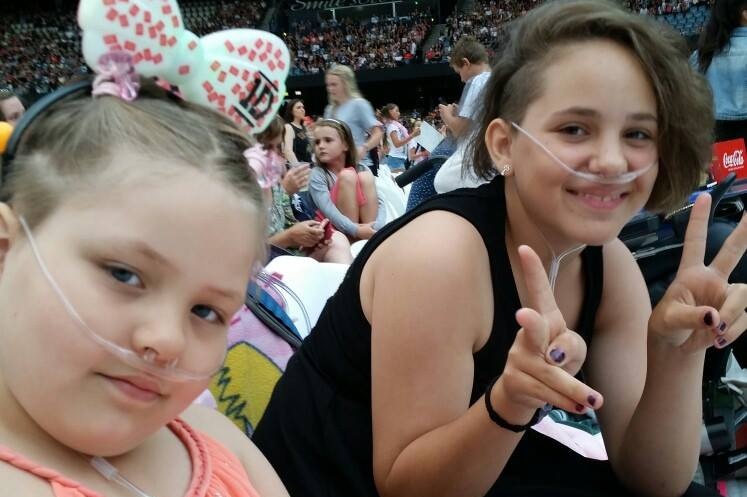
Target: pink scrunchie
{"type": "Point", "coordinates": [116, 76]}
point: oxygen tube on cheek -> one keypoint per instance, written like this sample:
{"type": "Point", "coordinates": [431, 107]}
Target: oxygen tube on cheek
{"type": "Point", "coordinates": [145, 362]}
{"type": "Point", "coordinates": [619, 179]}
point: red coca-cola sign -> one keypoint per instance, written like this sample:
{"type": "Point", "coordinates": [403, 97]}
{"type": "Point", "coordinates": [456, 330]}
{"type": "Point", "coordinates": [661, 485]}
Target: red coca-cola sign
{"type": "Point", "coordinates": [729, 157]}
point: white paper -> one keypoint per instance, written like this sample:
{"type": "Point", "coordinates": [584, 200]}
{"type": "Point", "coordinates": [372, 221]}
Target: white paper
{"type": "Point", "coordinates": [429, 137]}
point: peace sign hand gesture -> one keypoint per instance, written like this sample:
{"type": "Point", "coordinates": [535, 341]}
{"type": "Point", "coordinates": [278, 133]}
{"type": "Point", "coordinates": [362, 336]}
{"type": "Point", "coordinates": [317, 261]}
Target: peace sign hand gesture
{"type": "Point", "coordinates": [545, 355]}
{"type": "Point", "coordinates": [700, 308]}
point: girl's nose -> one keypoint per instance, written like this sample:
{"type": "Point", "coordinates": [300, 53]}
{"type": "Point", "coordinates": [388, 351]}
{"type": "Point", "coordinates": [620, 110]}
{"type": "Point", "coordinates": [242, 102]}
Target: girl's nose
{"type": "Point", "coordinates": [609, 159]}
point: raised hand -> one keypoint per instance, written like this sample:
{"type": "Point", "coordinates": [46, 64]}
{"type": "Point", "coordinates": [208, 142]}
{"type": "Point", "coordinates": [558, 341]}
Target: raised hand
{"type": "Point", "coordinates": [545, 355]}
{"type": "Point", "coordinates": [296, 179]}
{"type": "Point", "coordinates": [700, 307]}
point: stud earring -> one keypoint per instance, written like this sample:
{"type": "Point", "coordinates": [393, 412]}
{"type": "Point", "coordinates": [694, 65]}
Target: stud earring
{"type": "Point", "coordinates": [506, 170]}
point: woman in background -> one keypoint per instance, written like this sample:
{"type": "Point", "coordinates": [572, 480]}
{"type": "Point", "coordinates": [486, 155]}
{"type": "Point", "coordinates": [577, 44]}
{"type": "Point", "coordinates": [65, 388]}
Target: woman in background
{"type": "Point", "coordinates": [722, 57]}
{"type": "Point", "coordinates": [296, 146]}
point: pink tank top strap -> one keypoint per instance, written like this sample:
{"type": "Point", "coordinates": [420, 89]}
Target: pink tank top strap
{"type": "Point", "coordinates": [61, 486]}
{"type": "Point", "coordinates": [216, 471]}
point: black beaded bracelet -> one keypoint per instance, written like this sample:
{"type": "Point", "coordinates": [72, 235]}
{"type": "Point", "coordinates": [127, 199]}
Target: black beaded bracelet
{"type": "Point", "coordinates": [497, 419]}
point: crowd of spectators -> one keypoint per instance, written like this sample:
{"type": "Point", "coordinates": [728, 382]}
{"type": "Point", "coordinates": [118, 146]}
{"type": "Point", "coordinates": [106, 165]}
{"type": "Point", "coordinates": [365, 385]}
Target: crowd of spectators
{"type": "Point", "coordinates": [371, 44]}
{"type": "Point", "coordinates": [483, 21]}
{"type": "Point", "coordinates": [40, 52]}
{"type": "Point", "coordinates": [662, 7]}
{"type": "Point", "coordinates": [486, 17]}
{"type": "Point", "coordinates": [207, 17]}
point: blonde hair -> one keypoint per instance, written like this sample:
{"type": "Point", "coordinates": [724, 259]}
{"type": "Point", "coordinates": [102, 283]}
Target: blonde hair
{"type": "Point", "coordinates": [69, 146]}
{"type": "Point", "coordinates": [347, 76]}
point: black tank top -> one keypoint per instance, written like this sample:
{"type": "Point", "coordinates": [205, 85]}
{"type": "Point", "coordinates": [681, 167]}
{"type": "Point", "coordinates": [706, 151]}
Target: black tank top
{"type": "Point", "coordinates": [301, 145]}
{"type": "Point", "coordinates": [316, 431]}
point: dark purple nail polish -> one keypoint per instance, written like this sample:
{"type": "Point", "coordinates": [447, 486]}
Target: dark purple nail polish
{"type": "Point", "coordinates": [708, 318]}
{"type": "Point", "coordinates": [721, 341]}
{"type": "Point", "coordinates": [580, 408]}
{"type": "Point", "coordinates": [722, 327]}
{"type": "Point", "coordinates": [557, 355]}
{"type": "Point", "coordinates": [591, 399]}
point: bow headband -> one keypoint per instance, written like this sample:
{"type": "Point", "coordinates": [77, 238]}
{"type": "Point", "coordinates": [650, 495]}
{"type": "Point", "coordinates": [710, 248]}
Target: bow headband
{"type": "Point", "coordinates": [239, 72]}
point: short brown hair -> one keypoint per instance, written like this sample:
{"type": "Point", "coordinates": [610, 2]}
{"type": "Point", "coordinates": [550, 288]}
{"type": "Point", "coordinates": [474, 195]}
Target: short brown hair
{"type": "Point", "coordinates": [683, 98]}
{"type": "Point", "coordinates": [386, 111]}
{"type": "Point", "coordinates": [468, 48]}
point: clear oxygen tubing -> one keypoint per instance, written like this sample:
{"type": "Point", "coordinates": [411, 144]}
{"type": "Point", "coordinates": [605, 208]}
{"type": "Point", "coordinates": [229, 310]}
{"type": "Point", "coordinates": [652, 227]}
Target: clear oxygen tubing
{"type": "Point", "coordinates": [105, 469]}
{"type": "Point", "coordinates": [555, 263]}
{"type": "Point", "coordinates": [619, 179]}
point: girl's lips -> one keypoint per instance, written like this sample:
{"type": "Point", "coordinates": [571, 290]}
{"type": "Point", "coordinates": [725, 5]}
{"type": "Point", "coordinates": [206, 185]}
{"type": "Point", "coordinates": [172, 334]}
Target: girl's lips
{"type": "Point", "coordinates": [600, 199]}
{"type": "Point", "coordinates": [135, 387]}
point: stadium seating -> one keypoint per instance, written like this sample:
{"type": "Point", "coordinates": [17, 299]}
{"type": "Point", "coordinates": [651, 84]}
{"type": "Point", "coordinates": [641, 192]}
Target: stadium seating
{"type": "Point", "coordinates": [28, 66]}
{"type": "Point", "coordinates": [40, 52]}
{"type": "Point", "coordinates": [372, 44]}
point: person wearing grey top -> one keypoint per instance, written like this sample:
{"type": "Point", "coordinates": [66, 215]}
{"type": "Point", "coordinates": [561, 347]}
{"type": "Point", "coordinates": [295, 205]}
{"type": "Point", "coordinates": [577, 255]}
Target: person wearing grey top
{"type": "Point", "coordinates": [343, 192]}
{"type": "Point", "coordinates": [347, 105]}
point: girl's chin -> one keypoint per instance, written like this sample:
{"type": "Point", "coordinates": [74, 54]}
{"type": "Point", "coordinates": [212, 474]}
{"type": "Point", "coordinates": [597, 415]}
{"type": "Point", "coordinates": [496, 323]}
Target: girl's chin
{"type": "Point", "coordinates": [598, 235]}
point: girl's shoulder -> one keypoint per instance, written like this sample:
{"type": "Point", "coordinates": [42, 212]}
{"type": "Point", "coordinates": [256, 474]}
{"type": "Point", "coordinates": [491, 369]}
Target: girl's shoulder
{"type": "Point", "coordinates": [318, 171]}
{"type": "Point", "coordinates": [216, 425]}
{"type": "Point", "coordinates": [236, 446]}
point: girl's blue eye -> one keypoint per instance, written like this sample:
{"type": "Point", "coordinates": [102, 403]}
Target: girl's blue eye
{"type": "Point", "coordinates": [206, 313]}
{"type": "Point", "coordinates": [124, 276]}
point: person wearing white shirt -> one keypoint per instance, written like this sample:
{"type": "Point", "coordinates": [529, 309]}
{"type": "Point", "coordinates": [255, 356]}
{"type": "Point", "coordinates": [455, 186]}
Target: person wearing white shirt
{"type": "Point", "coordinates": [469, 59]}
{"type": "Point", "coordinates": [397, 137]}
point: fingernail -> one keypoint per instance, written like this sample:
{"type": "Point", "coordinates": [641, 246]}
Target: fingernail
{"type": "Point", "coordinates": [557, 355]}
{"type": "Point", "coordinates": [708, 318]}
{"type": "Point", "coordinates": [580, 408]}
{"type": "Point", "coordinates": [720, 342]}
{"type": "Point", "coordinates": [591, 399]}
{"type": "Point", "coordinates": [722, 327]}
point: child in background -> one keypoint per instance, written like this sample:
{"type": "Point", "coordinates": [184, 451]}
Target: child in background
{"type": "Point", "coordinates": [311, 238]}
{"type": "Point", "coordinates": [127, 238]}
{"type": "Point", "coordinates": [343, 192]}
{"type": "Point", "coordinates": [398, 138]}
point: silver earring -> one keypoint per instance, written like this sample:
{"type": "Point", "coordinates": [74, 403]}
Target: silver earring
{"type": "Point", "coordinates": [506, 170]}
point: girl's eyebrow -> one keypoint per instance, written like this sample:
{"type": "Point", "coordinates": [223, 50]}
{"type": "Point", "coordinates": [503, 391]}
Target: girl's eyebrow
{"type": "Point", "coordinates": [587, 112]}
{"type": "Point", "coordinates": [140, 248]}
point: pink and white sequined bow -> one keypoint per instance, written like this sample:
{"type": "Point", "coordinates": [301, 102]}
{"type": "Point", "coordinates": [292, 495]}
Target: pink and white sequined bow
{"type": "Point", "coordinates": [239, 72]}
